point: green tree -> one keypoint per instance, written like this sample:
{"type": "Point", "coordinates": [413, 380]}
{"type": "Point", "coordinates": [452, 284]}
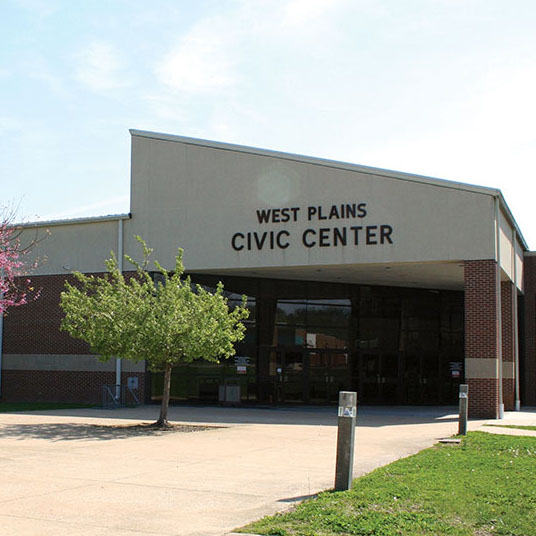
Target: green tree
{"type": "Point", "coordinates": [164, 320]}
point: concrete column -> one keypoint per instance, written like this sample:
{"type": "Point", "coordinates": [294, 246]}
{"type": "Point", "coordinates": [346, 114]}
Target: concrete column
{"type": "Point", "coordinates": [482, 338]}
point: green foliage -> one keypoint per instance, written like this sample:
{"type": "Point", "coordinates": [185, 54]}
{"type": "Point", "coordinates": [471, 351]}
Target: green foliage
{"type": "Point", "coordinates": [165, 322]}
{"type": "Point", "coordinates": [486, 485]}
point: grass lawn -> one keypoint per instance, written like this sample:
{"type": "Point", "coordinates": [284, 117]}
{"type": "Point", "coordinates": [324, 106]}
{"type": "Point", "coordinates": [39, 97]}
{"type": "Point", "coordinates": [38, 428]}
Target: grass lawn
{"type": "Point", "coordinates": [39, 406]}
{"type": "Point", "coordinates": [484, 486]}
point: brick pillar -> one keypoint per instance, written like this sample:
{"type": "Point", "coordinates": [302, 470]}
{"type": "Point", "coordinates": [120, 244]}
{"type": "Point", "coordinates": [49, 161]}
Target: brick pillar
{"type": "Point", "coordinates": [481, 338]}
{"type": "Point", "coordinates": [508, 334]}
{"type": "Point", "coordinates": [528, 372]}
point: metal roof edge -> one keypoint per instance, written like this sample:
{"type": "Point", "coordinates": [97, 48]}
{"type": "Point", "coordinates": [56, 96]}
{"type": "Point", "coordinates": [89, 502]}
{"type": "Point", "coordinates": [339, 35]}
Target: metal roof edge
{"type": "Point", "coordinates": [74, 221]}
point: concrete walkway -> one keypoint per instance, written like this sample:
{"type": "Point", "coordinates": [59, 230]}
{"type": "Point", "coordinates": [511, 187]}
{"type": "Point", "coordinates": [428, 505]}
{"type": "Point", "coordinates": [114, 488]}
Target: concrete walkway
{"type": "Point", "coordinates": [79, 472]}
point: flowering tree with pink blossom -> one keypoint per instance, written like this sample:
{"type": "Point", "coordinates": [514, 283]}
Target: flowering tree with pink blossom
{"type": "Point", "coordinates": [15, 287]}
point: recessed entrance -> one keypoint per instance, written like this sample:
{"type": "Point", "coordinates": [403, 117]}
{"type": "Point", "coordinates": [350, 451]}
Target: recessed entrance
{"type": "Point", "coordinates": [306, 341]}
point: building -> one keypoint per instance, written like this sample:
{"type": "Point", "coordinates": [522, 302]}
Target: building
{"type": "Point", "coordinates": [398, 286]}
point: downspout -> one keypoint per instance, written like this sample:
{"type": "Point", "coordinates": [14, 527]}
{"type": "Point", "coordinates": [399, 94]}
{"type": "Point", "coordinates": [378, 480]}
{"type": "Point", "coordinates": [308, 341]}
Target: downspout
{"type": "Point", "coordinates": [499, 311]}
{"type": "Point", "coordinates": [516, 323]}
{"type": "Point", "coordinates": [120, 266]}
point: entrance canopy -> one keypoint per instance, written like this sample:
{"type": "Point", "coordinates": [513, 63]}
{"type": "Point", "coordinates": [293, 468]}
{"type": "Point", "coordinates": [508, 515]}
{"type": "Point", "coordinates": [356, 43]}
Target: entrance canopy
{"type": "Point", "coordinates": [432, 275]}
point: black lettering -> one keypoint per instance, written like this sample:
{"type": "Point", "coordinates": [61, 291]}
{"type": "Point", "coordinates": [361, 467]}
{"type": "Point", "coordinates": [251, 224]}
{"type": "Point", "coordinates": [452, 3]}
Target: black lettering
{"type": "Point", "coordinates": [249, 241]}
{"type": "Point", "coordinates": [304, 238]}
{"type": "Point", "coordinates": [371, 235]}
{"type": "Point", "coordinates": [334, 212]}
{"type": "Point", "coordinates": [275, 215]}
{"type": "Point", "coordinates": [279, 235]}
{"type": "Point", "coordinates": [324, 238]}
{"type": "Point", "coordinates": [311, 211]}
{"type": "Point", "coordinates": [339, 235]}
{"type": "Point", "coordinates": [233, 242]}
{"type": "Point", "coordinates": [263, 215]}
{"type": "Point", "coordinates": [320, 215]}
{"type": "Point", "coordinates": [271, 240]}
{"type": "Point", "coordinates": [295, 212]}
{"type": "Point", "coordinates": [356, 234]}
{"type": "Point", "coordinates": [385, 234]}
{"type": "Point", "coordinates": [362, 210]}
{"type": "Point", "coordinates": [285, 216]}
{"type": "Point", "coordinates": [260, 242]}
{"type": "Point", "coordinates": [350, 210]}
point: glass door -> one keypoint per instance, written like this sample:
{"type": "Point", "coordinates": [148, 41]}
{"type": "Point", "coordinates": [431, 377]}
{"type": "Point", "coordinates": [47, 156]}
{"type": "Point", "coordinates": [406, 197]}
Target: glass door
{"type": "Point", "coordinates": [379, 377]}
{"type": "Point", "coordinates": [328, 372]}
{"type": "Point", "coordinates": [281, 375]}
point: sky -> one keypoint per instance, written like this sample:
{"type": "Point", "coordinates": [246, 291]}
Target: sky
{"type": "Point", "coordinates": [442, 88]}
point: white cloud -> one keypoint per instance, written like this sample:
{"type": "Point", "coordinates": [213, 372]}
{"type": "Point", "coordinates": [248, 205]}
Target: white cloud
{"type": "Point", "coordinates": [201, 62]}
{"type": "Point", "coordinates": [100, 67]}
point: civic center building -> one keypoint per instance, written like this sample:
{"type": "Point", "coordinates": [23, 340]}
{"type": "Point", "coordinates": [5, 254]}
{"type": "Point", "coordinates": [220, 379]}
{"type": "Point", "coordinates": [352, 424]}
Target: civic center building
{"type": "Point", "coordinates": [396, 286]}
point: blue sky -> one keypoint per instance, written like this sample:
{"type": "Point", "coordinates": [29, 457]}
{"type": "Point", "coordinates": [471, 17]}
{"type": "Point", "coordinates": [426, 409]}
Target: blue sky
{"type": "Point", "coordinates": [444, 88]}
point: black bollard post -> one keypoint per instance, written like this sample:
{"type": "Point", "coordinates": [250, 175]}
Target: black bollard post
{"type": "Point", "coordinates": [345, 440]}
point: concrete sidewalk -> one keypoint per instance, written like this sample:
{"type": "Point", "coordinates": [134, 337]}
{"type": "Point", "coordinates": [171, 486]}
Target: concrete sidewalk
{"type": "Point", "coordinates": [67, 472]}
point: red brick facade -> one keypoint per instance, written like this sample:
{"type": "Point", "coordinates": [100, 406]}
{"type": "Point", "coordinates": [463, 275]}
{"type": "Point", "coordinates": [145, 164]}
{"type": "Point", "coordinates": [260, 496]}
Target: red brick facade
{"type": "Point", "coordinates": [481, 333]}
{"type": "Point", "coordinates": [528, 377]}
{"type": "Point", "coordinates": [507, 299]}
{"type": "Point", "coordinates": [61, 385]}
{"type": "Point", "coordinates": [34, 329]}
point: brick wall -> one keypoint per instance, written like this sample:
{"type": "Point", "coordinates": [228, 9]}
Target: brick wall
{"type": "Point", "coordinates": [481, 333]}
{"type": "Point", "coordinates": [507, 318]}
{"type": "Point", "coordinates": [61, 385]}
{"type": "Point", "coordinates": [528, 373]}
{"type": "Point", "coordinates": [34, 328]}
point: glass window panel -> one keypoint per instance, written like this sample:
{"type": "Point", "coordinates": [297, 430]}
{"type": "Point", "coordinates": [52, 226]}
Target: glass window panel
{"type": "Point", "coordinates": [290, 336]}
{"type": "Point", "coordinates": [343, 303]}
{"type": "Point", "coordinates": [379, 333]}
{"type": "Point", "coordinates": [293, 313]}
{"type": "Point", "coordinates": [339, 360]}
{"type": "Point", "coordinates": [294, 361]}
{"type": "Point", "coordinates": [328, 315]}
{"type": "Point", "coordinates": [327, 337]}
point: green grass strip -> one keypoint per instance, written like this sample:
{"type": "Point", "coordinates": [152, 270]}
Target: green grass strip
{"type": "Point", "coordinates": [484, 486]}
{"type": "Point", "coordinates": [7, 407]}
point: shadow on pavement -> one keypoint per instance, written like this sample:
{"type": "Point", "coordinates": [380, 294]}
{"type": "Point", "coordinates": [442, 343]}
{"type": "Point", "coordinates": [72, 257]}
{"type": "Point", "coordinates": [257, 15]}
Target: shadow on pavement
{"type": "Point", "coordinates": [370, 416]}
{"type": "Point", "coordinates": [89, 432]}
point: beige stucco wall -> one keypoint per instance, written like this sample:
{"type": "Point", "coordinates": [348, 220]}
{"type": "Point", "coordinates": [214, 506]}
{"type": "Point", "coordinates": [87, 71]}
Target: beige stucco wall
{"type": "Point", "coordinates": [511, 252]}
{"type": "Point", "coordinates": [82, 246]}
{"type": "Point", "coordinates": [197, 197]}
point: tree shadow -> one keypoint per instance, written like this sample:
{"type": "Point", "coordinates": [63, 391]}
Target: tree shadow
{"type": "Point", "coordinates": [92, 432]}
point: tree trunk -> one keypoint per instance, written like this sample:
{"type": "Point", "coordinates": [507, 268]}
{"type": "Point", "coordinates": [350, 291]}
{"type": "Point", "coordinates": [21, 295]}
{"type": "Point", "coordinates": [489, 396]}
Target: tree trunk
{"type": "Point", "coordinates": [162, 420]}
